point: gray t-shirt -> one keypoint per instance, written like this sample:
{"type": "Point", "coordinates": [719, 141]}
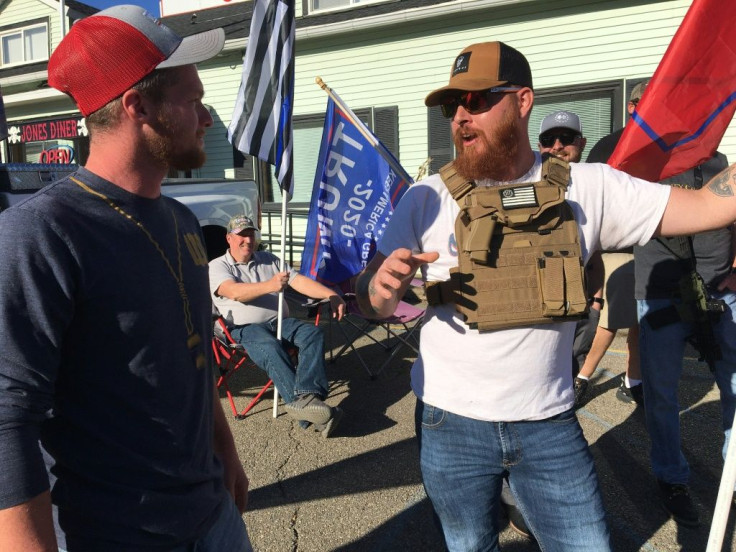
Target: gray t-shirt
{"type": "Point", "coordinates": [659, 265]}
{"type": "Point", "coordinates": [261, 267]}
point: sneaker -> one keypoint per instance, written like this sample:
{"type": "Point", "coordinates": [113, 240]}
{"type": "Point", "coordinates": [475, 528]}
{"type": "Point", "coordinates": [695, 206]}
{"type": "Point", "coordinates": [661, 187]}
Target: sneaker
{"type": "Point", "coordinates": [581, 388]}
{"type": "Point", "coordinates": [630, 394]}
{"type": "Point", "coordinates": [517, 523]}
{"type": "Point", "coordinates": [309, 408]}
{"type": "Point", "coordinates": [328, 428]}
{"type": "Point", "coordinates": [678, 504]}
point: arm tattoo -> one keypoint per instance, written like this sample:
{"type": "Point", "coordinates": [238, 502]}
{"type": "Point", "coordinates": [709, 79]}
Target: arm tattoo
{"type": "Point", "coordinates": [366, 290]}
{"type": "Point", "coordinates": [363, 287]}
{"type": "Point", "coordinates": [720, 184]}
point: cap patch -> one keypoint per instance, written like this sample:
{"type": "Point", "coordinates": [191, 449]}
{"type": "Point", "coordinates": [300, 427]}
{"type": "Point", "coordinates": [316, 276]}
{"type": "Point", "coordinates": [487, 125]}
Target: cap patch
{"type": "Point", "coordinates": [462, 63]}
{"type": "Point", "coordinates": [515, 198]}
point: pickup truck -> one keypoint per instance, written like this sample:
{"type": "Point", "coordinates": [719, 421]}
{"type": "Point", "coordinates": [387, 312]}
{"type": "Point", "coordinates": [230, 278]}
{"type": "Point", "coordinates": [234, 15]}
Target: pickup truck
{"type": "Point", "coordinates": [213, 201]}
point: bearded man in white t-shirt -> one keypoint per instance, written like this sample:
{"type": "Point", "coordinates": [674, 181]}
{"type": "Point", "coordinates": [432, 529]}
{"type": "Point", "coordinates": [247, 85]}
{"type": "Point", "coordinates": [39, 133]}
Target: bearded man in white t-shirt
{"type": "Point", "coordinates": [500, 402]}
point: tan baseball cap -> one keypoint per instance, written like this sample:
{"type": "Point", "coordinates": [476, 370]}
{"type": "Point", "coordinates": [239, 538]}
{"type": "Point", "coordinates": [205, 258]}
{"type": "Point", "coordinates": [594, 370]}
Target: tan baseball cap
{"type": "Point", "coordinates": [483, 66]}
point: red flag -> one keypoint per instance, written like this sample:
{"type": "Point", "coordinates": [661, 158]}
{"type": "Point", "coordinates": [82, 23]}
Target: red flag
{"type": "Point", "coordinates": [690, 99]}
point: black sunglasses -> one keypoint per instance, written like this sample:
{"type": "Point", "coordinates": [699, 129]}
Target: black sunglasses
{"type": "Point", "coordinates": [474, 102]}
{"type": "Point", "coordinates": [565, 138]}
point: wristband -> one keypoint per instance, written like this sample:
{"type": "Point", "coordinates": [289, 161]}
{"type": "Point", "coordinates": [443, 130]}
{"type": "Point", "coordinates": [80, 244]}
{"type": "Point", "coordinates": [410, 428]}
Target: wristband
{"type": "Point", "coordinates": [598, 300]}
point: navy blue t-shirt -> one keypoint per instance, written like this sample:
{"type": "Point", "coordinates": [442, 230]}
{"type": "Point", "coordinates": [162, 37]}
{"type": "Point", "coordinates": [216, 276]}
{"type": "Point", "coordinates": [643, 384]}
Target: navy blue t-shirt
{"type": "Point", "coordinates": [96, 362]}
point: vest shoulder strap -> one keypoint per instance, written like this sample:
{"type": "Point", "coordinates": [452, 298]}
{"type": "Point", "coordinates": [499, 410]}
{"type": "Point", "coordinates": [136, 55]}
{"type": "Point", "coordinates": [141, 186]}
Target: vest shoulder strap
{"type": "Point", "coordinates": [555, 172]}
{"type": "Point", "coordinates": [458, 186]}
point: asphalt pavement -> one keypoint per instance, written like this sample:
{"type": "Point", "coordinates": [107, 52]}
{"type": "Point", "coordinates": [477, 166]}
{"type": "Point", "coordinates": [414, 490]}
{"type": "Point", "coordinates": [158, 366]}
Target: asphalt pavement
{"type": "Point", "coordinates": [360, 490]}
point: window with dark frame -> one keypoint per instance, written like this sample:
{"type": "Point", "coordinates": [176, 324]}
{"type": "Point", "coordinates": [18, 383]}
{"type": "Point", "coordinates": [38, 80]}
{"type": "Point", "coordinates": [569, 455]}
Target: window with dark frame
{"type": "Point", "coordinates": [599, 106]}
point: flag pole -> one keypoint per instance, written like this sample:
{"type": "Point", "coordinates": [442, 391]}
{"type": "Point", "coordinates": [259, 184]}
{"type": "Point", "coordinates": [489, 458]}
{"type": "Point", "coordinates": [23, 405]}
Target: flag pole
{"type": "Point", "coordinates": [725, 495]}
{"type": "Point", "coordinates": [280, 315]}
{"type": "Point", "coordinates": [398, 169]}
{"type": "Point", "coordinates": [349, 112]}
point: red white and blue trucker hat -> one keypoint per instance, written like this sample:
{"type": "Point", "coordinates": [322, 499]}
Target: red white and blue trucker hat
{"type": "Point", "coordinates": [105, 54]}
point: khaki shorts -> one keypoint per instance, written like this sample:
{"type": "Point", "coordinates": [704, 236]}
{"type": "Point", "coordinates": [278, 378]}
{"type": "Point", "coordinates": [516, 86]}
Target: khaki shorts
{"type": "Point", "coordinates": [619, 310]}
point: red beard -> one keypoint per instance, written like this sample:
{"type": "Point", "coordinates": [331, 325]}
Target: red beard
{"type": "Point", "coordinates": [491, 157]}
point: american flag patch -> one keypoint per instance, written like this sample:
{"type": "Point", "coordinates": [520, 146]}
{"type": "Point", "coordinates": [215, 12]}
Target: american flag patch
{"type": "Point", "coordinates": [514, 198]}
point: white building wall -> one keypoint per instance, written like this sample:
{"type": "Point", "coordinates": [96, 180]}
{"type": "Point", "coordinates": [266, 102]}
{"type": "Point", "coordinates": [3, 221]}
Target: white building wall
{"type": "Point", "coordinates": [26, 10]}
{"type": "Point", "coordinates": [566, 45]}
{"type": "Point", "coordinates": [399, 65]}
{"type": "Point", "coordinates": [569, 43]}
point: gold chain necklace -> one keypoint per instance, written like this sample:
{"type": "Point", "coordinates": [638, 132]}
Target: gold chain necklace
{"type": "Point", "coordinates": [193, 338]}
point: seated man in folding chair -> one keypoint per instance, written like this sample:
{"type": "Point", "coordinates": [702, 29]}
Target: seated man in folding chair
{"type": "Point", "coordinates": [245, 285]}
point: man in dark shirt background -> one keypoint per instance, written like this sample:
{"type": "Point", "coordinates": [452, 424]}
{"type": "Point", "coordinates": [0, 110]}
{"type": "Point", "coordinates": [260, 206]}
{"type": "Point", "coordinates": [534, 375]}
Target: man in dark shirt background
{"type": "Point", "coordinates": [666, 323]}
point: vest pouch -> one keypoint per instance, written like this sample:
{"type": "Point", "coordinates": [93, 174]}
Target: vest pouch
{"type": "Point", "coordinates": [575, 288]}
{"type": "Point", "coordinates": [552, 285]}
{"type": "Point", "coordinates": [561, 286]}
{"type": "Point", "coordinates": [480, 234]}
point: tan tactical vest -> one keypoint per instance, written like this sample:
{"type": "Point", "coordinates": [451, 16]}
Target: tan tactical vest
{"type": "Point", "coordinates": [519, 256]}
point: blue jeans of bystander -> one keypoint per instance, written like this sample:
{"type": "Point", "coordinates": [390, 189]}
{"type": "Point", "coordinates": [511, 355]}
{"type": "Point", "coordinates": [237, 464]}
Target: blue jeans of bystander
{"type": "Point", "coordinates": [662, 352]}
{"type": "Point", "coordinates": [308, 376]}
{"type": "Point", "coordinates": [551, 474]}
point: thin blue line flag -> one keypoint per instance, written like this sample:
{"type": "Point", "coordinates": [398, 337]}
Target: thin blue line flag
{"type": "Point", "coordinates": [261, 122]}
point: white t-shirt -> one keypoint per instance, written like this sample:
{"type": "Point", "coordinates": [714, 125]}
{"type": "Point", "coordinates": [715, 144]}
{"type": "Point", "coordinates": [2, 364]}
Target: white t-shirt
{"type": "Point", "coordinates": [519, 373]}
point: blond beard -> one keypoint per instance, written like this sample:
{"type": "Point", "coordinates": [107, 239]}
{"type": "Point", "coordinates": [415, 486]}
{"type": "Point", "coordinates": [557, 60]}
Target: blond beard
{"type": "Point", "coordinates": [163, 146]}
{"type": "Point", "coordinates": [492, 156]}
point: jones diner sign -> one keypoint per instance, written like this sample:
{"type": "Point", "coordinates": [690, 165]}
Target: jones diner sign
{"type": "Point", "coordinates": [56, 129]}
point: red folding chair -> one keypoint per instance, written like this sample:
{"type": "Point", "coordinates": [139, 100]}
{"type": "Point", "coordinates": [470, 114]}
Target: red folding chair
{"type": "Point", "coordinates": [230, 356]}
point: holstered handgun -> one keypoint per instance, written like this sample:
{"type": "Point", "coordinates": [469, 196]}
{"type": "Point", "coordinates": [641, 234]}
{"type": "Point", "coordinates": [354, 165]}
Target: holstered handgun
{"type": "Point", "coordinates": [702, 311]}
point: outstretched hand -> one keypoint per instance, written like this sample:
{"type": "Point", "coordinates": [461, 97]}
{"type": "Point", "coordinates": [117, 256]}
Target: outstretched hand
{"type": "Point", "coordinates": [398, 268]}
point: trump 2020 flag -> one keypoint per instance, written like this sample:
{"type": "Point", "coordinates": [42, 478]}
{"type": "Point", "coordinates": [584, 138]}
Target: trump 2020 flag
{"type": "Point", "coordinates": [690, 100]}
{"type": "Point", "coordinates": [261, 121]}
{"type": "Point", "coordinates": [3, 121]}
{"type": "Point", "coordinates": [356, 186]}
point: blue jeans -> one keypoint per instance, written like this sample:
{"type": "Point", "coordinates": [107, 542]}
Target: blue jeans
{"type": "Point", "coordinates": [228, 533]}
{"type": "Point", "coordinates": [308, 376]}
{"type": "Point", "coordinates": [662, 351]}
{"type": "Point", "coordinates": [551, 474]}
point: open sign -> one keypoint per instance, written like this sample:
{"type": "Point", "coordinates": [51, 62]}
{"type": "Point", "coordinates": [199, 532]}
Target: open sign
{"type": "Point", "coordinates": [63, 155]}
